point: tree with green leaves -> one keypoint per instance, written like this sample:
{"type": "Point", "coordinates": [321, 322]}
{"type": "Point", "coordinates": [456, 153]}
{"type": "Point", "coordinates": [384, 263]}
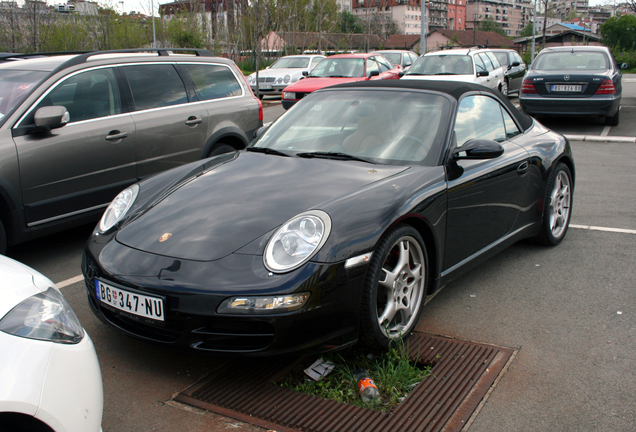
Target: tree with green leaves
{"type": "Point", "coordinates": [619, 33]}
{"type": "Point", "coordinates": [490, 25]}
{"type": "Point", "coordinates": [527, 30]}
{"type": "Point", "coordinates": [349, 23]}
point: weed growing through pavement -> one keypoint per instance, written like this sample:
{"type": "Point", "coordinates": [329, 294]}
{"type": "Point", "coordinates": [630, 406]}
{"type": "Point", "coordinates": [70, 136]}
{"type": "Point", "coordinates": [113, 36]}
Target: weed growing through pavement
{"type": "Point", "coordinates": [393, 372]}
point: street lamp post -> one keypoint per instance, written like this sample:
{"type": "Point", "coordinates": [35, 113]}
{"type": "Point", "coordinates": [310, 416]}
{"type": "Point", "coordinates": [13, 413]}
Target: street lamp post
{"type": "Point", "coordinates": [474, 26]}
{"type": "Point", "coordinates": [154, 34]}
{"type": "Point", "coordinates": [423, 28]}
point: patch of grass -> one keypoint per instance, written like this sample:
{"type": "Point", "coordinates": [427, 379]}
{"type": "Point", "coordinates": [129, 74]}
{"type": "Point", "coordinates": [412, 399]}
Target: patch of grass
{"type": "Point", "coordinates": [393, 372]}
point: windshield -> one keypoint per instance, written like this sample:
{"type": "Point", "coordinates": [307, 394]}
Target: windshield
{"type": "Point", "coordinates": [441, 64]}
{"type": "Point", "coordinates": [339, 67]}
{"type": "Point", "coordinates": [394, 58]}
{"type": "Point", "coordinates": [385, 126]}
{"type": "Point", "coordinates": [15, 85]}
{"type": "Point", "coordinates": [291, 63]}
{"type": "Point", "coordinates": [585, 60]}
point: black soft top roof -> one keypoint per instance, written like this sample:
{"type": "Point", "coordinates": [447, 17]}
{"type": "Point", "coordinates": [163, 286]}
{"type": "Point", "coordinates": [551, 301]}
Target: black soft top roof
{"type": "Point", "coordinates": [455, 89]}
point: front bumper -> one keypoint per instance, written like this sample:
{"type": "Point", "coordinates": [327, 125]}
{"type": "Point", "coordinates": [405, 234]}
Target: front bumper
{"type": "Point", "coordinates": [274, 90]}
{"type": "Point", "coordinates": [287, 104]}
{"type": "Point", "coordinates": [606, 105]}
{"type": "Point", "coordinates": [194, 291]}
{"type": "Point", "coordinates": [59, 384]}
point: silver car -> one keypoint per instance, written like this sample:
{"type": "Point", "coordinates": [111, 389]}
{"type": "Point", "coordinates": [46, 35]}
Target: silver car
{"type": "Point", "coordinates": [77, 129]}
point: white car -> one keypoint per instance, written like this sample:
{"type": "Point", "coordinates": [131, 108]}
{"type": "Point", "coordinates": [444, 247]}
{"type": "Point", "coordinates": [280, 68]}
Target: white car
{"type": "Point", "coordinates": [50, 378]}
{"type": "Point", "coordinates": [479, 66]}
{"type": "Point", "coordinates": [285, 71]}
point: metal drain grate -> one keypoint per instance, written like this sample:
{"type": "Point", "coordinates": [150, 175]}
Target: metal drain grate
{"type": "Point", "coordinates": [462, 375]}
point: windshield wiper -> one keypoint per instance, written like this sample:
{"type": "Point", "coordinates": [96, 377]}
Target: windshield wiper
{"type": "Point", "coordinates": [416, 74]}
{"type": "Point", "coordinates": [445, 73]}
{"type": "Point", "coordinates": [266, 150]}
{"type": "Point", "coordinates": [334, 155]}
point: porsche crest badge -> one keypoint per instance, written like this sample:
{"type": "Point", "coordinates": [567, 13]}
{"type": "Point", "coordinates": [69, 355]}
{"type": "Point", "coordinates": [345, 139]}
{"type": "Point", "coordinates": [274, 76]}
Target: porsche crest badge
{"type": "Point", "coordinates": [165, 237]}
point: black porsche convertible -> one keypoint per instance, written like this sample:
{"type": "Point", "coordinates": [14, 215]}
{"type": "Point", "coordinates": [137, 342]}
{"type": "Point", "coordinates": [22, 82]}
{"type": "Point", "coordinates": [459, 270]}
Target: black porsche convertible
{"type": "Point", "coordinates": [334, 225]}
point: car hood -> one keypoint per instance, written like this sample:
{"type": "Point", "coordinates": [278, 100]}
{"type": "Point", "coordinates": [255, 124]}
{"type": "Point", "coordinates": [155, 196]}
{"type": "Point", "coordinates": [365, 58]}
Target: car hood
{"type": "Point", "coordinates": [233, 203]}
{"type": "Point", "coordinates": [17, 283]}
{"type": "Point", "coordinates": [309, 84]}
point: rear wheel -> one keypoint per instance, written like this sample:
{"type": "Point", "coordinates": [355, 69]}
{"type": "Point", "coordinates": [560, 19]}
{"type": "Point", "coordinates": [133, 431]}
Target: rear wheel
{"type": "Point", "coordinates": [504, 88]}
{"type": "Point", "coordinates": [220, 148]}
{"type": "Point", "coordinates": [395, 288]}
{"type": "Point", "coordinates": [613, 120]}
{"type": "Point", "coordinates": [558, 206]}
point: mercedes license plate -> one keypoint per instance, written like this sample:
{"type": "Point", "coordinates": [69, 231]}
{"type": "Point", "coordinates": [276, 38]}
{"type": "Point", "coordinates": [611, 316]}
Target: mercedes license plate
{"type": "Point", "coordinates": [133, 303]}
{"type": "Point", "coordinates": [567, 88]}
{"type": "Point", "coordinates": [265, 86]}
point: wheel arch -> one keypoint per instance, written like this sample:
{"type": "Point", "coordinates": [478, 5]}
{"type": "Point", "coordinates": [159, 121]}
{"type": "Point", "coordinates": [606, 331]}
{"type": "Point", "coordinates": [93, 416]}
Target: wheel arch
{"type": "Point", "coordinates": [20, 422]}
{"type": "Point", "coordinates": [228, 135]}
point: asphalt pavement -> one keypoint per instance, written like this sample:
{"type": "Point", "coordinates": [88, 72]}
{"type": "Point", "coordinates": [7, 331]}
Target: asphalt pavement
{"type": "Point", "coordinates": [568, 311]}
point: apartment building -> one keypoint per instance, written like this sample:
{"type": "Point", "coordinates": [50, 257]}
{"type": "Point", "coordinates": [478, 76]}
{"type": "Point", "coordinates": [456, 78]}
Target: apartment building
{"type": "Point", "coordinates": [513, 15]}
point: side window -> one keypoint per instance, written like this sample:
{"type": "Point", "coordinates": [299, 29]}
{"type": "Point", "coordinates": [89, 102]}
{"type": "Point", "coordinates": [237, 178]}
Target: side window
{"type": "Point", "coordinates": [493, 59]}
{"type": "Point", "coordinates": [155, 86]}
{"type": "Point", "coordinates": [372, 65]}
{"type": "Point", "coordinates": [487, 62]}
{"type": "Point", "coordinates": [384, 64]}
{"type": "Point", "coordinates": [479, 117]}
{"type": "Point", "coordinates": [511, 127]}
{"type": "Point", "coordinates": [479, 64]}
{"type": "Point", "coordinates": [86, 96]}
{"type": "Point", "coordinates": [212, 81]}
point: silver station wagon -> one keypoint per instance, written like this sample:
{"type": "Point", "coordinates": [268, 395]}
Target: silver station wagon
{"type": "Point", "coordinates": [77, 129]}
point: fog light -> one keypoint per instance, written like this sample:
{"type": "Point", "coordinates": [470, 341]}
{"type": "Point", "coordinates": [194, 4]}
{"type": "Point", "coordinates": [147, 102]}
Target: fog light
{"type": "Point", "coordinates": [247, 305]}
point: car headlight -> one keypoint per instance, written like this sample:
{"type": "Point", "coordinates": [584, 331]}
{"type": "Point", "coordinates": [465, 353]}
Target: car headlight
{"type": "Point", "coordinates": [289, 95]}
{"type": "Point", "coordinates": [45, 316]}
{"type": "Point", "coordinates": [263, 305]}
{"type": "Point", "coordinates": [296, 241]}
{"type": "Point", "coordinates": [286, 79]}
{"type": "Point", "coordinates": [251, 79]}
{"type": "Point", "coordinates": [279, 80]}
{"type": "Point", "coordinates": [118, 208]}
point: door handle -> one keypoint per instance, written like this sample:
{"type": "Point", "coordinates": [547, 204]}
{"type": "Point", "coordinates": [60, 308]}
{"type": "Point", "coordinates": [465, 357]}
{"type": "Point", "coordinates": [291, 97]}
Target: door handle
{"type": "Point", "coordinates": [116, 135]}
{"type": "Point", "coordinates": [193, 120]}
{"type": "Point", "coordinates": [523, 168]}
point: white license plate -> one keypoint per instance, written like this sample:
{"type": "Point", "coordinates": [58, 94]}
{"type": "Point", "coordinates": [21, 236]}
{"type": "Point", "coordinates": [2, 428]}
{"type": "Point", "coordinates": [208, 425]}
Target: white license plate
{"type": "Point", "coordinates": [567, 88]}
{"type": "Point", "coordinates": [265, 86]}
{"type": "Point", "coordinates": [133, 303]}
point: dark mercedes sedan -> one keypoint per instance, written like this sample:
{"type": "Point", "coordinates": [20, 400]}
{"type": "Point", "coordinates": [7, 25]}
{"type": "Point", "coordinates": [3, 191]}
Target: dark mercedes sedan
{"type": "Point", "coordinates": [334, 226]}
{"type": "Point", "coordinates": [574, 80]}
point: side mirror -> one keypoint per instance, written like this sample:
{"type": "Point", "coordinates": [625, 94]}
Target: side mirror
{"type": "Point", "coordinates": [374, 73]}
{"type": "Point", "coordinates": [483, 73]}
{"type": "Point", "coordinates": [624, 65]}
{"type": "Point", "coordinates": [305, 73]}
{"type": "Point", "coordinates": [51, 117]}
{"type": "Point", "coordinates": [515, 64]}
{"type": "Point", "coordinates": [478, 149]}
{"type": "Point", "coordinates": [260, 131]}
{"type": "Point", "coordinates": [401, 73]}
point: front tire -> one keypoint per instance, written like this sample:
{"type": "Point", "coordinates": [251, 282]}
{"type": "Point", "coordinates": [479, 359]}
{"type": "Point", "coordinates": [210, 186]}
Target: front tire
{"type": "Point", "coordinates": [395, 288]}
{"type": "Point", "coordinates": [557, 206]}
{"type": "Point", "coordinates": [504, 88]}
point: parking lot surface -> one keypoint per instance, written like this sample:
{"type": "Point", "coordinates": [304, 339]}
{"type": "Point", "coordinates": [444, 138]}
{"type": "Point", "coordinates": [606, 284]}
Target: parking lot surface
{"type": "Point", "coordinates": [569, 312]}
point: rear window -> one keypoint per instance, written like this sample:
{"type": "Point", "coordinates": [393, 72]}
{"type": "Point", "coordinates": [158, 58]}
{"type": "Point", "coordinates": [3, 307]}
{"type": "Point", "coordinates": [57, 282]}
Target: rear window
{"type": "Point", "coordinates": [584, 60]}
{"type": "Point", "coordinates": [212, 81]}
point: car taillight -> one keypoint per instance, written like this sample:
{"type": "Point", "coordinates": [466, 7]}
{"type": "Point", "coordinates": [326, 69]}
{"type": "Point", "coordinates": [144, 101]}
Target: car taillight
{"type": "Point", "coordinates": [260, 104]}
{"type": "Point", "coordinates": [606, 87]}
{"type": "Point", "coordinates": [528, 87]}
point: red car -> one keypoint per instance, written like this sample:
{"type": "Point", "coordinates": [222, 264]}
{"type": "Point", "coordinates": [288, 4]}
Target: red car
{"type": "Point", "coordinates": [338, 69]}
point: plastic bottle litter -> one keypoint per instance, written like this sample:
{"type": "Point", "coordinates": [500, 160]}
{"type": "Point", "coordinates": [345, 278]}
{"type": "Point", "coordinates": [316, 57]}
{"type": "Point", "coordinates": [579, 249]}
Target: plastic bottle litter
{"type": "Point", "coordinates": [367, 388]}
